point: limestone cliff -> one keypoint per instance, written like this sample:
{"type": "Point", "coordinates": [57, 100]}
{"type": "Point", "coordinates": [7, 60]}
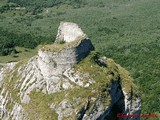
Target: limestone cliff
{"type": "Point", "coordinates": [67, 80]}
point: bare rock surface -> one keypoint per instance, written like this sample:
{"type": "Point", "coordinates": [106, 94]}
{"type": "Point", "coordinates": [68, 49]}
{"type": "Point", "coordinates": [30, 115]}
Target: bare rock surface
{"type": "Point", "coordinates": [67, 84]}
{"type": "Point", "coordinates": [69, 32]}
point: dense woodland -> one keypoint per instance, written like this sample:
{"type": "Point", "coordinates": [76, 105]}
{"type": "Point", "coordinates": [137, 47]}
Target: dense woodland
{"type": "Point", "coordinates": [9, 40]}
{"type": "Point", "coordinates": [125, 30]}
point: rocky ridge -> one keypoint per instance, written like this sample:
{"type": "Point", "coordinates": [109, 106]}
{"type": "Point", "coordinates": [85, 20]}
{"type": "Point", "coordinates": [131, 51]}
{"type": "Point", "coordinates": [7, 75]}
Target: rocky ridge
{"type": "Point", "coordinates": [66, 81]}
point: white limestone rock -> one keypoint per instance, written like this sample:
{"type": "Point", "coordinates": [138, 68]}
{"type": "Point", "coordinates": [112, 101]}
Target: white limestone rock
{"type": "Point", "coordinates": [69, 32]}
{"type": "Point", "coordinates": [64, 109]}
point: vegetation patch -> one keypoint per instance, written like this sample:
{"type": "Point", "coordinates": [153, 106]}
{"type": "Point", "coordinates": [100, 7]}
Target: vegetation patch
{"type": "Point", "coordinates": [104, 72]}
{"type": "Point", "coordinates": [38, 107]}
{"type": "Point", "coordinates": [125, 30]}
{"type": "Point", "coordinates": [60, 45]}
{"type": "Point", "coordinates": [9, 84]}
{"type": "Point", "coordinates": [22, 54]}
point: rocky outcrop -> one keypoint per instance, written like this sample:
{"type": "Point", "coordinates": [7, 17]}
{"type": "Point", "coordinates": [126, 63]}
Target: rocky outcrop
{"type": "Point", "coordinates": [67, 82]}
{"type": "Point", "coordinates": [69, 32]}
{"type": "Point", "coordinates": [55, 63]}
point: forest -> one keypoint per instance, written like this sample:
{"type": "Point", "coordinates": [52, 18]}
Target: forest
{"type": "Point", "coordinates": [125, 30]}
{"type": "Point", "coordinates": [9, 40]}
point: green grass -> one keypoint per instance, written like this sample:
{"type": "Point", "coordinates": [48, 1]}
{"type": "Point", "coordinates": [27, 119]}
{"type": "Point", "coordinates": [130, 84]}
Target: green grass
{"type": "Point", "coordinates": [38, 107]}
{"type": "Point", "coordinates": [127, 31]}
{"type": "Point", "coordinates": [24, 53]}
{"type": "Point", "coordinates": [105, 73]}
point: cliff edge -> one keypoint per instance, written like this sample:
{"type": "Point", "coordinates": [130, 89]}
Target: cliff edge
{"type": "Point", "coordinates": [67, 80]}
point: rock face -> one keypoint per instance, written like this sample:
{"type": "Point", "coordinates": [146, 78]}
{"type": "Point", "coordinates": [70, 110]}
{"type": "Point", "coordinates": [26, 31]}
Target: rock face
{"type": "Point", "coordinates": [67, 82]}
{"type": "Point", "coordinates": [55, 63]}
{"type": "Point", "coordinates": [69, 32]}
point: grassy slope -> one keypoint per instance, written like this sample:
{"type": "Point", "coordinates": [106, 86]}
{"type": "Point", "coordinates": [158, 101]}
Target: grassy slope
{"type": "Point", "coordinates": [127, 31]}
{"type": "Point", "coordinates": [24, 53]}
{"type": "Point", "coordinates": [103, 75]}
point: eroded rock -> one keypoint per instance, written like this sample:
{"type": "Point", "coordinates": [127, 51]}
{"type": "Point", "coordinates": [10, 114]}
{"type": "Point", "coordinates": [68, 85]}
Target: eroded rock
{"type": "Point", "coordinates": [70, 83]}
{"type": "Point", "coordinates": [69, 32]}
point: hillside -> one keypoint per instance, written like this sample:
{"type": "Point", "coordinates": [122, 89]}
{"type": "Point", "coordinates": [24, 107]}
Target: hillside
{"type": "Point", "coordinates": [71, 82]}
{"type": "Point", "coordinates": [127, 31]}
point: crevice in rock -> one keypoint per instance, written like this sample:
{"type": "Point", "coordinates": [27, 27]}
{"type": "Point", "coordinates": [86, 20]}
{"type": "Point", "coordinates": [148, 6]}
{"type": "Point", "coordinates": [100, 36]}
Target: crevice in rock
{"type": "Point", "coordinates": [117, 103]}
{"type": "Point", "coordinates": [83, 111]}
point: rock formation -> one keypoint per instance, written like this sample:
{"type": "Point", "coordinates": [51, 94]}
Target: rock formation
{"type": "Point", "coordinates": [69, 32]}
{"type": "Point", "coordinates": [67, 81]}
